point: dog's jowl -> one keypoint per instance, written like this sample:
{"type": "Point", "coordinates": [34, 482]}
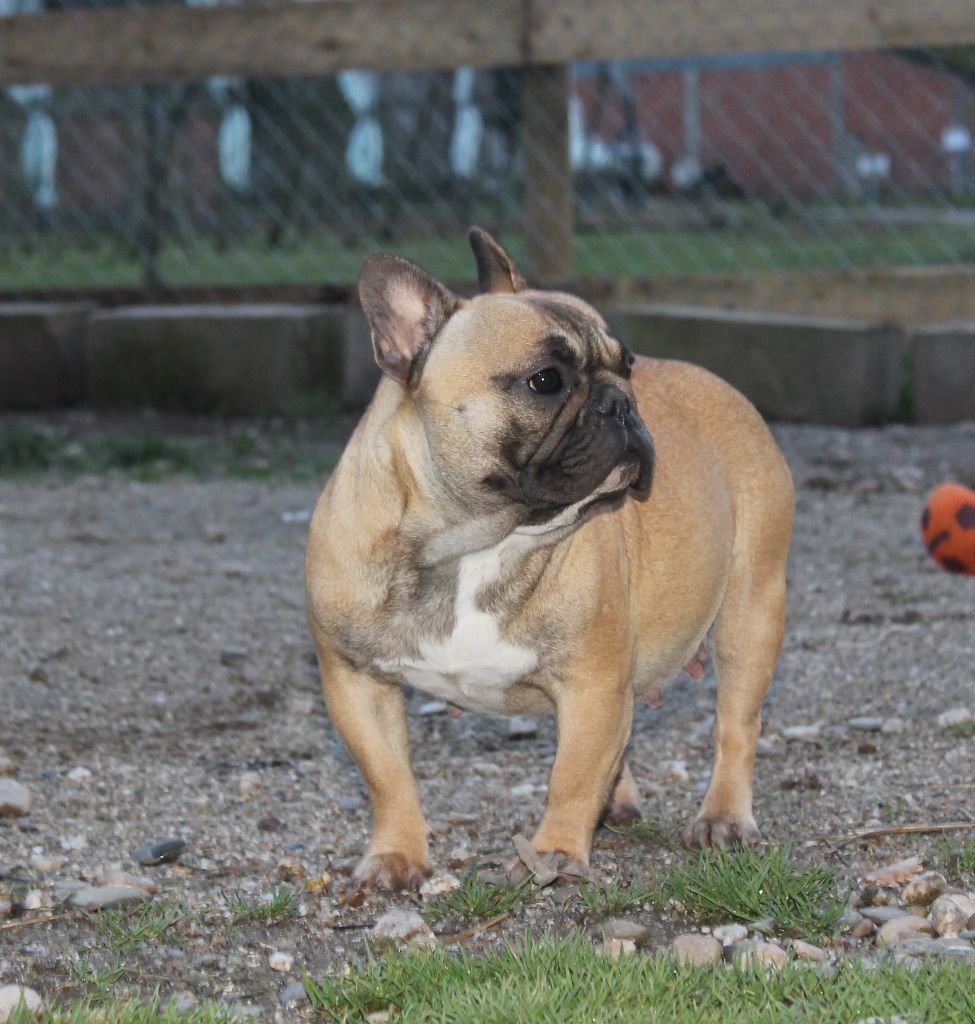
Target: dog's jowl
{"type": "Point", "coordinates": [528, 519]}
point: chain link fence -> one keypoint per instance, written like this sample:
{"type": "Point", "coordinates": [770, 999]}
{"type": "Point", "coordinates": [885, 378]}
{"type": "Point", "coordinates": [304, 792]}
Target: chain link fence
{"type": "Point", "coordinates": [761, 161]}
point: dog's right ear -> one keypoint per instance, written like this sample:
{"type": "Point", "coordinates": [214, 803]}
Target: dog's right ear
{"type": "Point", "coordinates": [406, 308]}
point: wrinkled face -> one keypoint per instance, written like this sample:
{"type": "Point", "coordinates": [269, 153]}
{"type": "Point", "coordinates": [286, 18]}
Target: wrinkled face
{"type": "Point", "coordinates": [527, 403]}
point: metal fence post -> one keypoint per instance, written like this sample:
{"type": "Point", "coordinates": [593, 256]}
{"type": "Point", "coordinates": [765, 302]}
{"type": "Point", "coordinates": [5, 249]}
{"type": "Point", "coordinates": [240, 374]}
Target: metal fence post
{"type": "Point", "coordinates": [547, 204]}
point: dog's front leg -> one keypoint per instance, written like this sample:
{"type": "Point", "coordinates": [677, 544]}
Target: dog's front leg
{"type": "Point", "coordinates": [594, 727]}
{"type": "Point", "coordinates": [371, 718]}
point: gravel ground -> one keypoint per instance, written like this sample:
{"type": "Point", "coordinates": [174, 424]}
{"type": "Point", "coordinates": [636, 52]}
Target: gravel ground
{"type": "Point", "coordinates": [153, 636]}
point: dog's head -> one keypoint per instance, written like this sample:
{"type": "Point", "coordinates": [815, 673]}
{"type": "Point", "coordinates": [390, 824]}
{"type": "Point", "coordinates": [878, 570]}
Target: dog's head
{"type": "Point", "coordinates": [524, 396]}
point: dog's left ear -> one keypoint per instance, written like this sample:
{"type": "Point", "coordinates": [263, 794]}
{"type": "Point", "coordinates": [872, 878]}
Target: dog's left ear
{"type": "Point", "coordinates": [496, 271]}
{"type": "Point", "coordinates": [406, 308]}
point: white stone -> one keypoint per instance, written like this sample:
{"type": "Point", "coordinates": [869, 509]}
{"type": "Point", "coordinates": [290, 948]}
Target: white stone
{"type": "Point", "coordinates": [676, 771]}
{"type": "Point", "coordinates": [281, 961]}
{"type": "Point", "coordinates": [116, 876]}
{"type": "Point", "coordinates": [901, 928]}
{"type": "Point", "coordinates": [728, 933]}
{"type": "Point", "coordinates": [925, 890]}
{"type": "Point", "coordinates": [949, 914]}
{"type": "Point", "coordinates": [804, 733]}
{"type": "Point", "coordinates": [250, 782]}
{"type": "Point", "coordinates": [620, 928]}
{"type": "Point", "coordinates": [954, 716]}
{"type": "Point", "coordinates": [808, 951]}
{"type": "Point", "coordinates": [893, 726]}
{"type": "Point", "coordinates": [692, 948]}
{"type": "Point", "coordinates": [521, 728]}
{"type": "Point", "coordinates": [399, 926]}
{"type": "Point", "coordinates": [433, 707]}
{"type": "Point", "coordinates": [103, 897]}
{"type": "Point", "coordinates": [79, 774]}
{"type": "Point", "coordinates": [519, 792]}
{"type": "Point", "coordinates": [11, 997]}
{"type": "Point", "coordinates": [14, 799]}
{"type": "Point", "coordinates": [866, 723]}
{"type": "Point", "coordinates": [438, 885]}
{"type": "Point", "coordinates": [767, 954]}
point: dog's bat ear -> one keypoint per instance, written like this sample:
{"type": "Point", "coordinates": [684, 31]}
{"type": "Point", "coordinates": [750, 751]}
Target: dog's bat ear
{"type": "Point", "coordinates": [406, 308]}
{"type": "Point", "coordinates": [496, 271]}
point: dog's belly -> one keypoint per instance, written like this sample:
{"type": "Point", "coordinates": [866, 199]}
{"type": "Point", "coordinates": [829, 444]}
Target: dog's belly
{"type": "Point", "coordinates": [474, 667]}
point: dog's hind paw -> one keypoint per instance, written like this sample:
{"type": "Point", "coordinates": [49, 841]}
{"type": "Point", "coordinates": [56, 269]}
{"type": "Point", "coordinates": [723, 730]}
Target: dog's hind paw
{"type": "Point", "coordinates": [392, 871]}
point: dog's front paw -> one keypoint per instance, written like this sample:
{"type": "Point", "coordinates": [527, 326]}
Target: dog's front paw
{"type": "Point", "coordinates": [392, 871]}
{"type": "Point", "coordinates": [721, 831]}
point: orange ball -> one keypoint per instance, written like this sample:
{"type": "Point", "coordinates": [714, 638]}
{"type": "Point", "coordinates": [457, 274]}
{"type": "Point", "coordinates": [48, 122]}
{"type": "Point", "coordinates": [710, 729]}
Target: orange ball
{"type": "Point", "coordinates": [948, 527]}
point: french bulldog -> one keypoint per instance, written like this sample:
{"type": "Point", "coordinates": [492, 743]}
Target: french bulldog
{"type": "Point", "coordinates": [528, 519]}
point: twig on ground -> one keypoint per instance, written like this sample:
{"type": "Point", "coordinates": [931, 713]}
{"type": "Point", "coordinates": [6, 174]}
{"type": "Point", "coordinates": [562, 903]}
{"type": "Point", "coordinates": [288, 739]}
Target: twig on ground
{"type": "Point", "coordinates": [896, 830]}
{"type": "Point", "coordinates": [28, 921]}
{"type": "Point", "coordinates": [471, 933]}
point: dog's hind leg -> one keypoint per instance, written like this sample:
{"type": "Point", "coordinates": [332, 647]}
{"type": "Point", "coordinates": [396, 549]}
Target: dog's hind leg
{"type": "Point", "coordinates": [745, 644]}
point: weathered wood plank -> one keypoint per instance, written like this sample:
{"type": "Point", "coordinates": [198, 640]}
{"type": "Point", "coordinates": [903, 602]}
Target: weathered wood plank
{"type": "Point", "coordinates": [583, 30]}
{"type": "Point", "coordinates": [165, 44]}
{"type": "Point", "coordinates": [157, 44]}
{"type": "Point", "coordinates": [547, 205]}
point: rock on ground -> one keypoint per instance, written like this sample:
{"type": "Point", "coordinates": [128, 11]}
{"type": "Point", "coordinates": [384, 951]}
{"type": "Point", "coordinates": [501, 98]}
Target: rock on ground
{"type": "Point", "coordinates": [398, 927]}
{"type": "Point", "coordinates": [11, 997]}
{"type": "Point", "coordinates": [14, 799]}
{"type": "Point", "coordinates": [702, 950]}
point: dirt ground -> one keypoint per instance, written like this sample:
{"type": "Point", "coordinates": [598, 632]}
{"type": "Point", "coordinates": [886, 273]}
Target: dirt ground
{"type": "Point", "coordinates": [153, 633]}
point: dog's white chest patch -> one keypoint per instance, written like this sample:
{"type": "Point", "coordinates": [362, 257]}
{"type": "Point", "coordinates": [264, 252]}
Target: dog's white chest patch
{"type": "Point", "coordinates": [474, 665]}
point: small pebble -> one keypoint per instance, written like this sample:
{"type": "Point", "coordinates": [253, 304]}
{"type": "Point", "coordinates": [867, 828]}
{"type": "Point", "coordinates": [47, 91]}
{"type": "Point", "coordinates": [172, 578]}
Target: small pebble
{"type": "Point", "coordinates": [925, 890]}
{"type": "Point", "coordinates": [7, 765]}
{"type": "Point", "coordinates": [432, 707]}
{"type": "Point", "coordinates": [808, 951]}
{"type": "Point", "coordinates": [767, 954]}
{"type": "Point", "coordinates": [881, 915]}
{"type": "Point", "coordinates": [11, 996]}
{"type": "Point", "coordinates": [620, 928]}
{"type": "Point", "coordinates": [616, 949]}
{"type": "Point", "coordinates": [457, 818]}
{"type": "Point", "coordinates": [866, 723]}
{"type": "Point", "coordinates": [438, 885]}
{"type": "Point", "coordinates": [79, 774]}
{"type": "Point", "coordinates": [521, 728]}
{"type": "Point", "coordinates": [36, 900]}
{"type": "Point", "coordinates": [901, 928]}
{"type": "Point", "coordinates": [954, 716]}
{"type": "Point", "coordinates": [398, 927]}
{"type": "Point", "coordinates": [250, 782]}
{"type": "Point", "coordinates": [525, 789]}
{"type": "Point", "coordinates": [676, 771]}
{"type": "Point", "coordinates": [290, 870]}
{"type": "Point", "coordinates": [280, 961]}
{"type": "Point", "coordinates": [116, 876]}
{"type": "Point", "coordinates": [863, 929]}
{"type": "Point", "coordinates": [44, 864]}
{"type": "Point", "coordinates": [294, 993]}
{"type": "Point", "coordinates": [104, 897]}
{"type": "Point", "coordinates": [270, 823]}
{"type": "Point", "coordinates": [351, 803]}
{"type": "Point", "coordinates": [893, 726]}
{"type": "Point", "coordinates": [803, 733]}
{"type": "Point", "coordinates": [692, 948]}
{"type": "Point", "coordinates": [233, 657]}
{"type": "Point", "coordinates": [949, 914]}
{"type": "Point", "coordinates": [14, 799]}
{"type": "Point", "coordinates": [165, 852]}
{"type": "Point", "coordinates": [728, 933]}
{"type": "Point", "coordinates": [74, 843]}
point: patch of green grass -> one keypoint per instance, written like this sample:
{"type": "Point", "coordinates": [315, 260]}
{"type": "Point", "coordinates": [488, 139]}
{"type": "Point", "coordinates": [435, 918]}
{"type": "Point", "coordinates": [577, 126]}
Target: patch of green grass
{"type": "Point", "coordinates": [550, 981]}
{"type": "Point", "coordinates": [101, 978]}
{"type": "Point", "coordinates": [278, 903]}
{"type": "Point", "coordinates": [959, 858]}
{"type": "Point", "coordinates": [25, 449]}
{"type": "Point", "coordinates": [477, 900]}
{"type": "Point", "coordinates": [616, 898]}
{"type": "Point", "coordinates": [121, 928]}
{"type": "Point", "coordinates": [961, 730]}
{"type": "Point", "coordinates": [752, 884]}
{"type": "Point", "coordinates": [153, 1011]}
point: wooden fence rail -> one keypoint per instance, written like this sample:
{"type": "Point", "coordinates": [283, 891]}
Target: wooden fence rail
{"type": "Point", "coordinates": [139, 45]}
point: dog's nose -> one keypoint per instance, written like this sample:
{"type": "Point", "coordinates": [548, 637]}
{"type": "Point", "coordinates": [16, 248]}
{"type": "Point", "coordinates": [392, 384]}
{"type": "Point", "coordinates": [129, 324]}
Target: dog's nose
{"type": "Point", "coordinates": [613, 402]}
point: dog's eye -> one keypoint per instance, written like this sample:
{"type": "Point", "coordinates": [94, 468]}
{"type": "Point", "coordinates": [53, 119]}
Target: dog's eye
{"type": "Point", "coordinates": [546, 382]}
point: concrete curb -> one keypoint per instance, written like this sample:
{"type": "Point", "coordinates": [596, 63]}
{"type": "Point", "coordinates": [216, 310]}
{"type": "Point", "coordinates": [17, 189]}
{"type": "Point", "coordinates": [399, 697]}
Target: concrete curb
{"type": "Point", "coordinates": [804, 369]}
{"type": "Point", "coordinates": [42, 354]}
{"type": "Point", "coordinates": [943, 372]}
